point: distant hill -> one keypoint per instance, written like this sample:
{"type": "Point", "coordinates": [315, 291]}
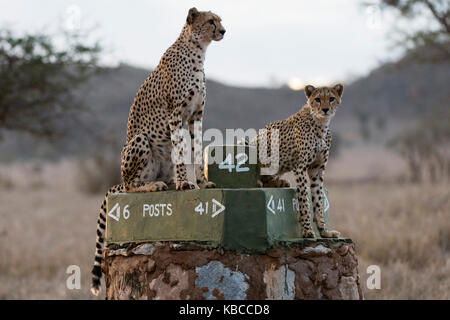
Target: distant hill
{"type": "Point", "coordinates": [390, 97]}
{"type": "Point", "coordinates": [110, 94]}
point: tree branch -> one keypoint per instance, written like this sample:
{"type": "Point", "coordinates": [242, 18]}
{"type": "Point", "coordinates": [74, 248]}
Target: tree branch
{"type": "Point", "coordinates": [442, 19]}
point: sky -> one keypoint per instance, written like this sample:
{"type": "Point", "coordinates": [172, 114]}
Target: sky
{"type": "Point", "coordinates": [267, 43]}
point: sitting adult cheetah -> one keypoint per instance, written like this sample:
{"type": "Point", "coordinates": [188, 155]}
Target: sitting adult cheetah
{"type": "Point", "coordinates": [303, 147]}
{"type": "Point", "coordinates": [173, 94]}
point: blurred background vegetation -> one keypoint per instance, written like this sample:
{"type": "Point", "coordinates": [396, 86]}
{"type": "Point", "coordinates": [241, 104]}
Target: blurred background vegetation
{"type": "Point", "coordinates": [63, 122]}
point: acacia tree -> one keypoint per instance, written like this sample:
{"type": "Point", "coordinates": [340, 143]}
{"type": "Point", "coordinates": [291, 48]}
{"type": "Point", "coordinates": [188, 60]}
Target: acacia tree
{"type": "Point", "coordinates": [426, 38]}
{"type": "Point", "coordinates": [37, 79]}
{"type": "Point", "coordinates": [432, 32]}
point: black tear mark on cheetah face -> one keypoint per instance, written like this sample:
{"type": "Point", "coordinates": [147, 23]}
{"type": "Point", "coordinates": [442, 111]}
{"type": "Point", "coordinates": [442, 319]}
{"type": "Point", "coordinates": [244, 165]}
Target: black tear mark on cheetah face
{"type": "Point", "coordinates": [324, 101]}
{"type": "Point", "coordinates": [205, 25]}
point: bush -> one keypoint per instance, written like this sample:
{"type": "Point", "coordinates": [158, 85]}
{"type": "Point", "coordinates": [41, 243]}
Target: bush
{"type": "Point", "coordinates": [99, 173]}
{"type": "Point", "coordinates": [425, 147]}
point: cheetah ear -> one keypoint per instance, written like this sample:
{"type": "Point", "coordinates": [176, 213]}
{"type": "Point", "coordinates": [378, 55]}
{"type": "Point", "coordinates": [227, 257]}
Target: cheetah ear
{"type": "Point", "coordinates": [309, 90]}
{"type": "Point", "coordinates": [339, 89]}
{"type": "Point", "coordinates": [193, 12]}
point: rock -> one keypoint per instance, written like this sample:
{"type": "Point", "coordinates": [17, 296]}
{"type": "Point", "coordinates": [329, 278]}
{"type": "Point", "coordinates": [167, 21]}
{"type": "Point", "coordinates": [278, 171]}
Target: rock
{"type": "Point", "coordinates": [168, 270]}
{"type": "Point", "coordinates": [280, 283]}
{"type": "Point", "coordinates": [316, 251]}
{"type": "Point", "coordinates": [220, 281]}
{"type": "Point", "coordinates": [348, 289]}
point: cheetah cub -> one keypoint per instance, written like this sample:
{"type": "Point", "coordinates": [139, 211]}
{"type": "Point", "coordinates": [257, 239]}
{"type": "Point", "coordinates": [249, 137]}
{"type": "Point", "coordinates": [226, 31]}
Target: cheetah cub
{"type": "Point", "coordinates": [303, 147]}
{"type": "Point", "coordinates": [172, 95]}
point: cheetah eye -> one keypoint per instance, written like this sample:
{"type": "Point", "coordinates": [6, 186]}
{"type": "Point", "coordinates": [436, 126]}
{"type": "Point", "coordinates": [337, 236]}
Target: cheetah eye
{"type": "Point", "coordinates": [332, 99]}
{"type": "Point", "coordinates": [211, 21]}
{"type": "Point", "coordinates": [317, 100]}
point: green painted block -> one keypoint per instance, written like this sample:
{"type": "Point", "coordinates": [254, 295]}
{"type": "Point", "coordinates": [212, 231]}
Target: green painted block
{"type": "Point", "coordinates": [244, 220]}
{"type": "Point", "coordinates": [231, 166]}
{"type": "Point", "coordinates": [259, 217]}
{"type": "Point", "coordinates": [163, 216]}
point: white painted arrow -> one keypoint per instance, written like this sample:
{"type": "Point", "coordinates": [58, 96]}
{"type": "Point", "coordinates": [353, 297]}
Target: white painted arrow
{"type": "Point", "coordinates": [215, 211]}
{"type": "Point", "coordinates": [117, 215]}
{"type": "Point", "coordinates": [326, 203]}
{"type": "Point", "coordinates": [269, 206]}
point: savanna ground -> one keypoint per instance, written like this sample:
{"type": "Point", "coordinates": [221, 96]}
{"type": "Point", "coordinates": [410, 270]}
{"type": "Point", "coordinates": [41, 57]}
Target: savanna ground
{"type": "Point", "coordinates": [47, 223]}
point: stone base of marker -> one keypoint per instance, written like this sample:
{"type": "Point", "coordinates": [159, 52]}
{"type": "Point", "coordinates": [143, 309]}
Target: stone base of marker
{"type": "Point", "coordinates": [304, 269]}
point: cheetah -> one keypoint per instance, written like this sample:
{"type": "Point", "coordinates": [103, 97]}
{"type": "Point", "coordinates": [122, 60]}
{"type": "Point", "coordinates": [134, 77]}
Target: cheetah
{"type": "Point", "coordinates": [303, 147]}
{"type": "Point", "coordinates": [172, 95]}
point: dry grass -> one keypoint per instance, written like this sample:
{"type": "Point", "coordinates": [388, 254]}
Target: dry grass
{"type": "Point", "coordinates": [47, 224]}
{"type": "Point", "coordinates": [404, 229]}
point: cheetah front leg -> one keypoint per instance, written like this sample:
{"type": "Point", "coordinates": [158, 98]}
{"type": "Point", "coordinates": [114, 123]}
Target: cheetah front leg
{"type": "Point", "coordinates": [301, 180]}
{"type": "Point", "coordinates": [176, 137]}
{"type": "Point", "coordinates": [316, 179]}
{"type": "Point", "coordinates": [195, 132]}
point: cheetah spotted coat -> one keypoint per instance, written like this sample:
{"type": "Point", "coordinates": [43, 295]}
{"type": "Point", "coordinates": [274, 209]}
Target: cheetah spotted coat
{"type": "Point", "coordinates": [172, 95]}
{"type": "Point", "coordinates": [303, 148]}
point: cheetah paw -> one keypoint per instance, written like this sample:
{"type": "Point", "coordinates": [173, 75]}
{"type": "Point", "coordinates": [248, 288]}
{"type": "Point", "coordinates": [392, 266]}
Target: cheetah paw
{"type": "Point", "coordinates": [185, 185]}
{"type": "Point", "coordinates": [159, 186]}
{"type": "Point", "coordinates": [283, 183]}
{"type": "Point", "coordinates": [206, 185]}
{"type": "Point", "coordinates": [330, 234]}
{"type": "Point", "coordinates": [308, 234]}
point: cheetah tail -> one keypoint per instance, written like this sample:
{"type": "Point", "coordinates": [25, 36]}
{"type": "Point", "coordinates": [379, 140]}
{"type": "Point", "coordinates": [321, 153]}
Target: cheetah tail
{"type": "Point", "coordinates": [101, 224]}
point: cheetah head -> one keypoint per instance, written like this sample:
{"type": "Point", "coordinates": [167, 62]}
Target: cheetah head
{"type": "Point", "coordinates": [324, 101]}
{"type": "Point", "coordinates": [205, 25]}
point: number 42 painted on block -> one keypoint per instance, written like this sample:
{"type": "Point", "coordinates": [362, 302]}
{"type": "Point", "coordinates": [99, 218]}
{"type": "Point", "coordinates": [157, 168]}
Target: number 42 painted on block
{"type": "Point", "coordinates": [227, 163]}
